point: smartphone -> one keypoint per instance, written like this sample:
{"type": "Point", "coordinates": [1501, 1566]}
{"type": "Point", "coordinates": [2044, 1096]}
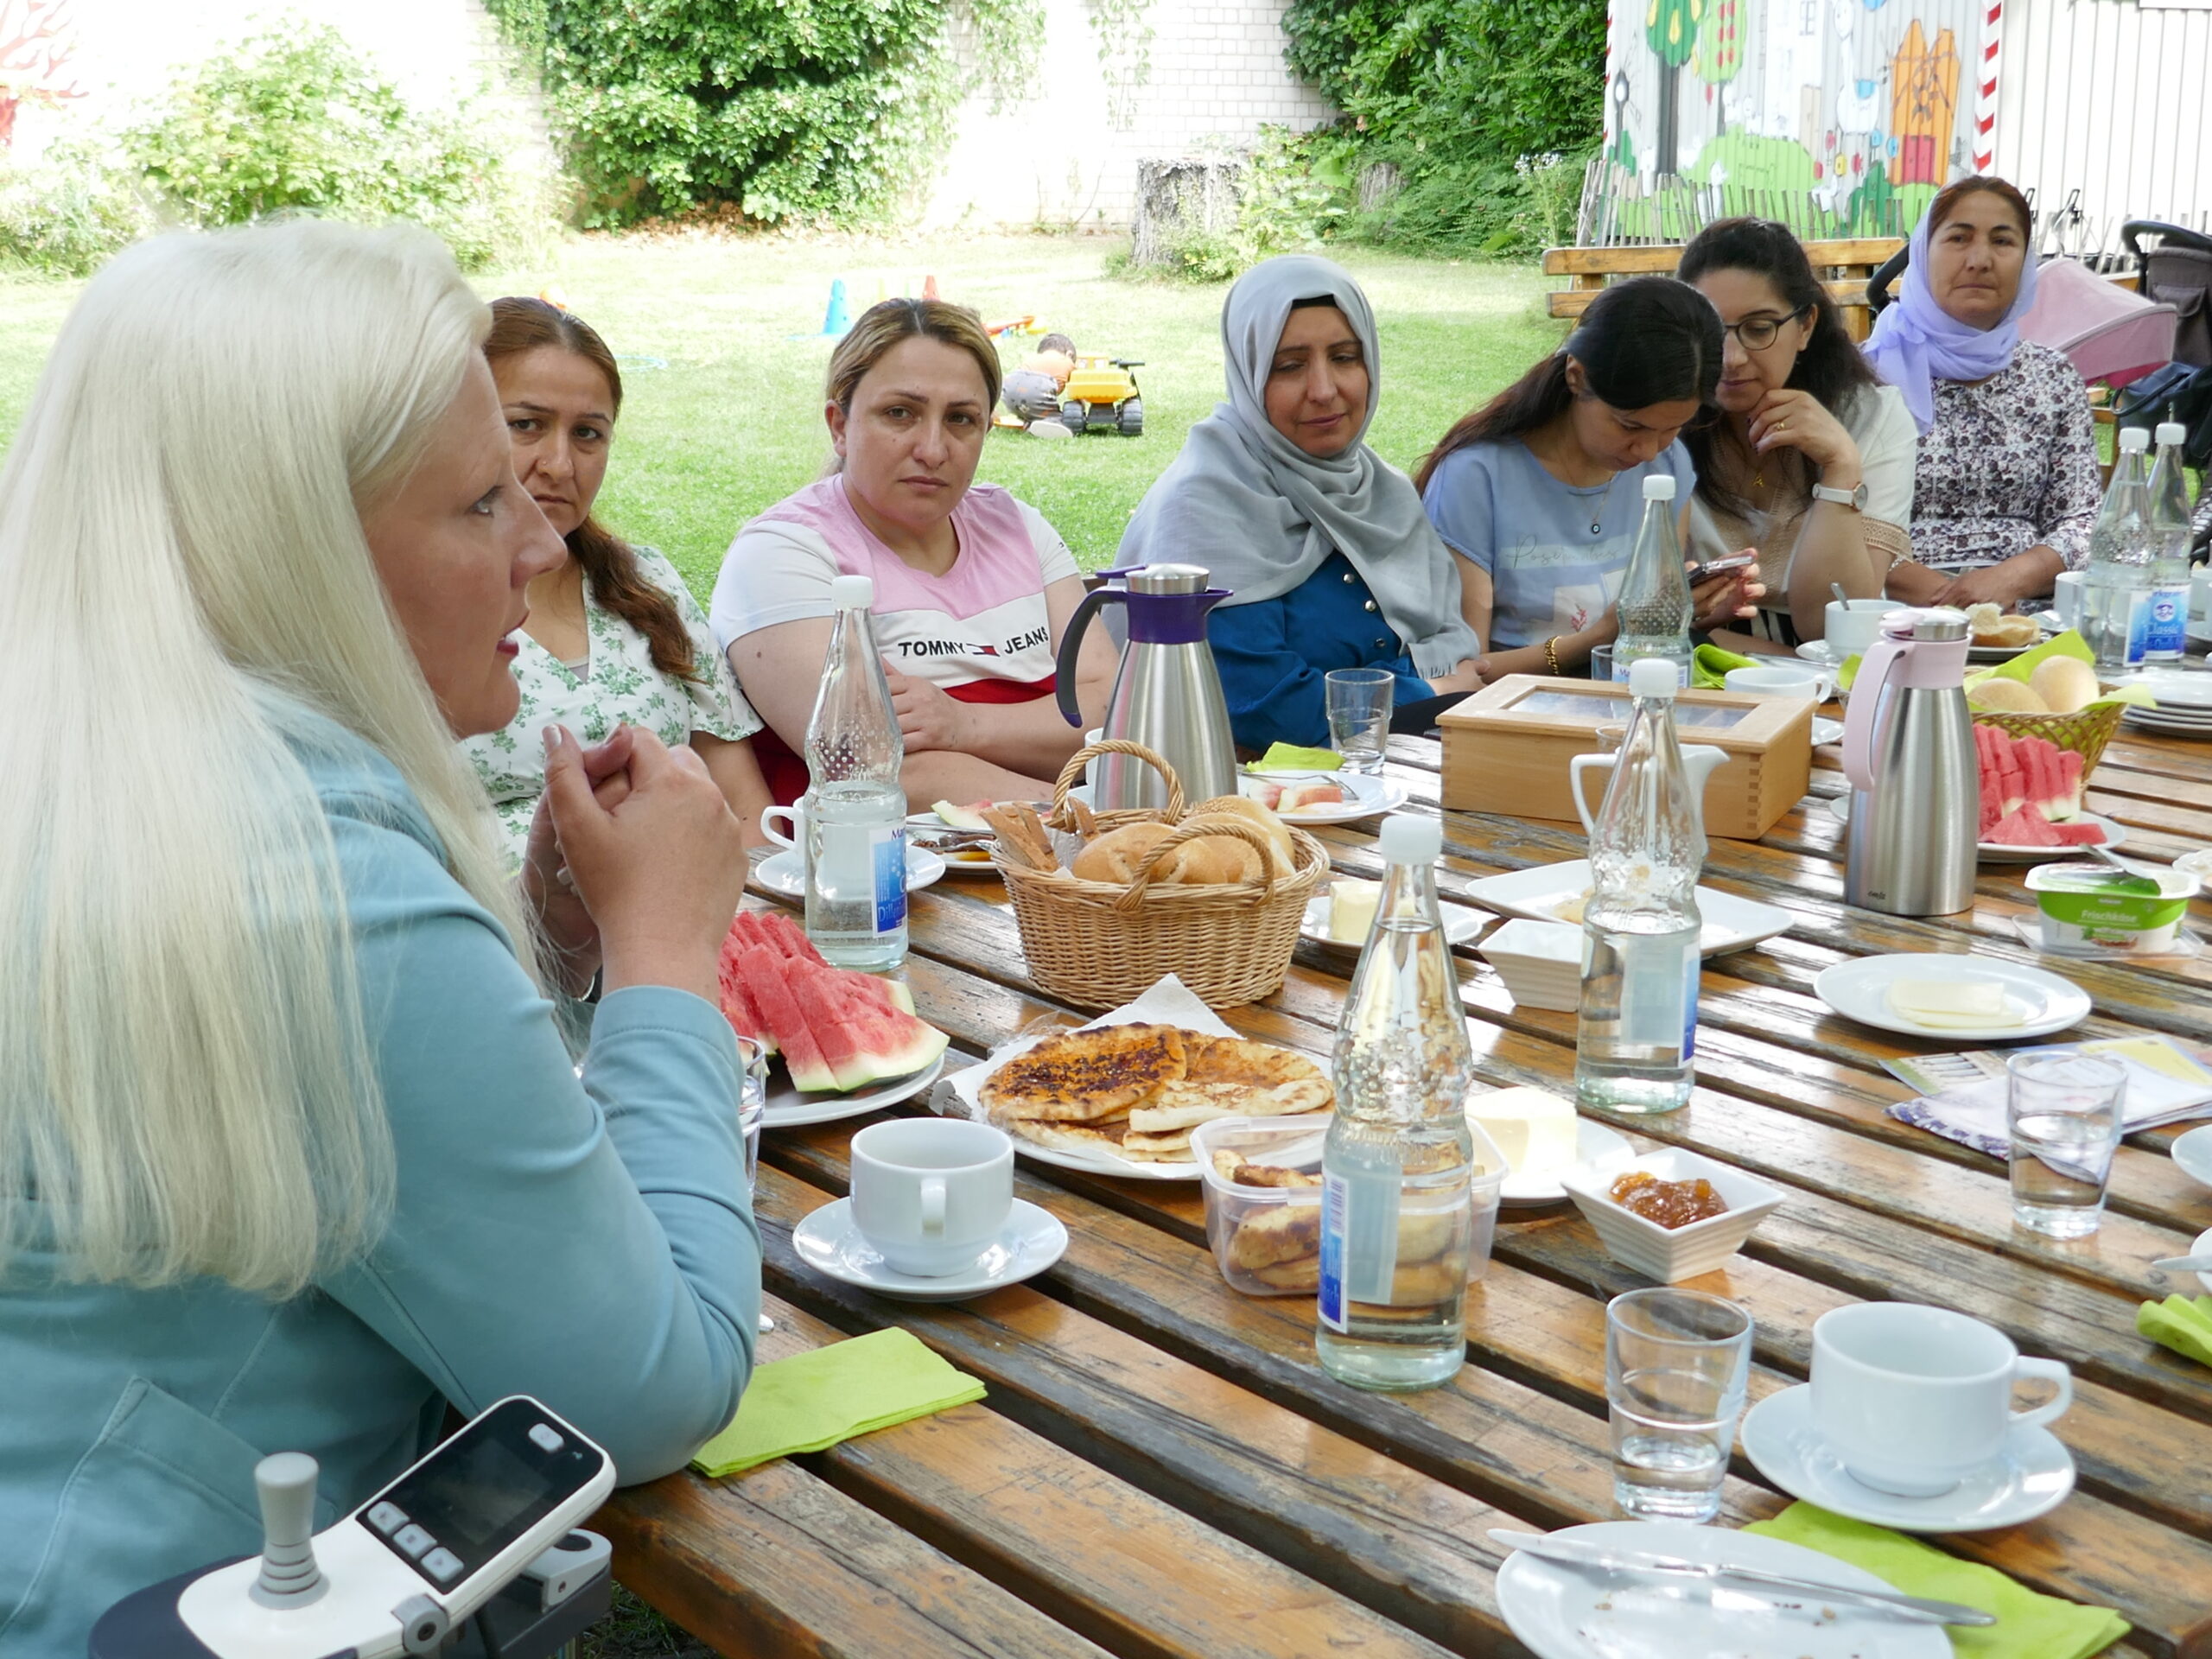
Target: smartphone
{"type": "Point", "coordinates": [1713, 568]}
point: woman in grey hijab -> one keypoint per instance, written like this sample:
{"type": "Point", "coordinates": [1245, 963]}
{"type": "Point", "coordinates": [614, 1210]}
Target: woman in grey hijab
{"type": "Point", "coordinates": [1332, 560]}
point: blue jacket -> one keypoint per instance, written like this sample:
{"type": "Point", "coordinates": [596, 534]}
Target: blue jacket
{"type": "Point", "coordinates": [1272, 655]}
{"type": "Point", "coordinates": [588, 1242]}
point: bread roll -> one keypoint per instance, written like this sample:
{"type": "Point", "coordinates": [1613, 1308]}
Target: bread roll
{"type": "Point", "coordinates": [2005, 696]}
{"type": "Point", "coordinates": [1243, 806]}
{"type": "Point", "coordinates": [1206, 858]}
{"type": "Point", "coordinates": [1118, 855]}
{"type": "Point", "coordinates": [2067, 683]}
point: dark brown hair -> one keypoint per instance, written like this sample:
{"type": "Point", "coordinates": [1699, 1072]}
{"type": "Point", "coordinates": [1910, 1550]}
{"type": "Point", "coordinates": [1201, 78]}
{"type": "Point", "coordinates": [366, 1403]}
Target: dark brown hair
{"type": "Point", "coordinates": [1647, 341]}
{"type": "Point", "coordinates": [1831, 368]}
{"type": "Point", "coordinates": [619, 586]}
{"type": "Point", "coordinates": [1947, 199]}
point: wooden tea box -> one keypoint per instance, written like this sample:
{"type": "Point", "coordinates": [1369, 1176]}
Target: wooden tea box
{"type": "Point", "coordinates": [1506, 749]}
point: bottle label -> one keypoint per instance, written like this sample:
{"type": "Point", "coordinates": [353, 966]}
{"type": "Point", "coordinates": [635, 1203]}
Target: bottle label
{"type": "Point", "coordinates": [868, 862]}
{"type": "Point", "coordinates": [2169, 623]}
{"type": "Point", "coordinates": [1359, 1243]}
{"type": "Point", "coordinates": [890, 850]}
{"type": "Point", "coordinates": [2138, 628]}
{"type": "Point", "coordinates": [1658, 992]}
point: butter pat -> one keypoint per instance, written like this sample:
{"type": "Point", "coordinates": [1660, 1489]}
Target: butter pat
{"type": "Point", "coordinates": [1945, 1003]}
{"type": "Point", "coordinates": [1534, 1129]}
{"type": "Point", "coordinates": [1351, 909]}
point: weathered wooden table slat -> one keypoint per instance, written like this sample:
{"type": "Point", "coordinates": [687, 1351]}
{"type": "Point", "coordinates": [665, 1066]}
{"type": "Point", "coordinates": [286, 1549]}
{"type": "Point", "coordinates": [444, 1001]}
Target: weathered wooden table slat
{"type": "Point", "coordinates": [1162, 1468]}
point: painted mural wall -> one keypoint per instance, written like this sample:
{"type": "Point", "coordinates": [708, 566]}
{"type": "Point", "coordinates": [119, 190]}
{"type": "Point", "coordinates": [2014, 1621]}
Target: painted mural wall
{"type": "Point", "coordinates": [1847, 115]}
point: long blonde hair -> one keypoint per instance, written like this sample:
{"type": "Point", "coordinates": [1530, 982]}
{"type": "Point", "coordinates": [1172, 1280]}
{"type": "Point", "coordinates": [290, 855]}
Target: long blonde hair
{"type": "Point", "coordinates": [186, 1084]}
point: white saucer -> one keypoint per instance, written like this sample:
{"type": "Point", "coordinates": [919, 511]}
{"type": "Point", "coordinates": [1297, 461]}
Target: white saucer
{"type": "Point", "coordinates": [2192, 1152]}
{"type": "Point", "coordinates": [2032, 1476]}
{"type": "Point", "coordinates": [1821, 651]}
{"type": "Point", "coordinates": [779, 872]}
{"type": "Point", "coordinates": [1592, 1141]}
{"type": "Point", "coordinates": [1571, 1612]}
{"type": "Point", "coordinates": [1858, 990]}
{"type": "Point", "coordinates": [1460, 924]}
{"type": "Point", "coordinates": [828, 1242]}
{"type": "Point", "coordinates": [2199, 1246]}
{"type": "Point", "coordinates": [1826, 730]}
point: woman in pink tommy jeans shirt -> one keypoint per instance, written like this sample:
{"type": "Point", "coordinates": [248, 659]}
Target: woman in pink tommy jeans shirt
{"type": "Point", "coordinates": [973, 589]}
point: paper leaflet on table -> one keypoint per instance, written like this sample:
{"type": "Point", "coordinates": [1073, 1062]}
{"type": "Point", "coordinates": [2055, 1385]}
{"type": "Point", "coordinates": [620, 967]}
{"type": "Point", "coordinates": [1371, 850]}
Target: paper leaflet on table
{"type": "Point", "coordinates": [1168, 1003]}
{"type": "Point", "coordinates": [1962, 1097]}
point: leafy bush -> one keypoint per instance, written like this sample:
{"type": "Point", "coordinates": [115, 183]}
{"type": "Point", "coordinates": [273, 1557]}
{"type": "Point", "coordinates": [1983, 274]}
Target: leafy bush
{"type": "Point", "coordinates": [65, 215]}
{"type": "Point", "coordinates": [808, 110]}
{"type": "Point", "coordinates": [295, 119]}
{"type": "Point", "coordinates": [1487, 107]}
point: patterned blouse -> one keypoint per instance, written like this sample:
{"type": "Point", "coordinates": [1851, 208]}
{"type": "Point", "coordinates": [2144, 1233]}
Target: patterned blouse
{"type": "Point", "coordinates": [2009, 463]}
{"type": "Point", "coordinates": [619, 685]}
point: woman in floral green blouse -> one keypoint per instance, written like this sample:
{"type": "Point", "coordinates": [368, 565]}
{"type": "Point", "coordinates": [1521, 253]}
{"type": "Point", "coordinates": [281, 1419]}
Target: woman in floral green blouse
{"type": "Point", "coordinates": [613, 637]}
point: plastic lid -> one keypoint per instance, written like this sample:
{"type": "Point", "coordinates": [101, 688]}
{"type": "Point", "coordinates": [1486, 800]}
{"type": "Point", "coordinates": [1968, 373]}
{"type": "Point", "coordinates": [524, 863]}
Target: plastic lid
{"type": "Point", "coordinates": [1409, 838]}
{"type": "Point", "coordinates": [1653, 676]}
{"type": "Point", "coordinates": [1659, 486]}
{"type": "Point", "coordinates": [852, 593]}
{"type": "Point", "coordinates": [2172, 432]}
{"type": "Point", "coordinates": [2133, 440]}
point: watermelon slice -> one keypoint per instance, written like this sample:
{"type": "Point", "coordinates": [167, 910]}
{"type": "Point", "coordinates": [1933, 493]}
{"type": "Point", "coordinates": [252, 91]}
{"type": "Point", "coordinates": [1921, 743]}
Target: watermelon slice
{"type": "Point", "coordinates": [737, 1007]}
{"type": "Point", "coordinates": [762, 972]}
{"type": "Point", "coordinates": [862, 1037]}
{"type": "Point", "coordinates": [2082, 832]}
{"type": "Point", "coordinates": [2023, 827]}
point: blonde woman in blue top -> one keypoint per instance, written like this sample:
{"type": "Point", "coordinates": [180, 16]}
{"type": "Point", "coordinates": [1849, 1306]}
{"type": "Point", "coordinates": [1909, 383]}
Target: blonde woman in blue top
{"type": "Point", "coordinates": [295, 1158]}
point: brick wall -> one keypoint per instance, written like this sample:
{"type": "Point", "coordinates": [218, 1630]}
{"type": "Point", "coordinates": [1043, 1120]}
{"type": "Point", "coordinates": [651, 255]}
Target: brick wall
{"type": "Point", "coordinates": [1217, 76]}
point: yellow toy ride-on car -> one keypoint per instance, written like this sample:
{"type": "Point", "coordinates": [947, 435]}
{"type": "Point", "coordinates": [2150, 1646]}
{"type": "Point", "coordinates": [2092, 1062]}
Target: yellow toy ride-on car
{"type": "Point", "coordinates": [1101, 396]}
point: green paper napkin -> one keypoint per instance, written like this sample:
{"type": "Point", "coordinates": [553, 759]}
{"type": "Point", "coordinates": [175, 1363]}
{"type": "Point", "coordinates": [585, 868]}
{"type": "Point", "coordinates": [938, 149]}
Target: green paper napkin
{"type": "Point", "coordinates": [2180, 1324]}
{"type": "Point", "coordinates": [1288, 757]}
{"type": "Point", "coordinates": [2028, 1626]}
{"type": "Point", "coordinates": [1709, 667]}
{"type": "Point", "coordinates": [814, 1400]}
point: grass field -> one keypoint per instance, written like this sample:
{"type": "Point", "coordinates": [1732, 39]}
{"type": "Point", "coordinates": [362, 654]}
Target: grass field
{"type": "Point", "coordinates": [733, 422]}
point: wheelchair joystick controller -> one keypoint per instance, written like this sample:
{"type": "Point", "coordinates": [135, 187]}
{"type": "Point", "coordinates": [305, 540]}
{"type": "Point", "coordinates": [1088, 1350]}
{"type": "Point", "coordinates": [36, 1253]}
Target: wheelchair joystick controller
{"type": "Point", "coordinates": [289, 1577]}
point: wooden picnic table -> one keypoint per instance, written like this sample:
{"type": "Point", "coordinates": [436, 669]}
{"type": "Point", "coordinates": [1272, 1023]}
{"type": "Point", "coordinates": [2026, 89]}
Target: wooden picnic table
{"type": "Point", "coordinates": [1161, 1467]}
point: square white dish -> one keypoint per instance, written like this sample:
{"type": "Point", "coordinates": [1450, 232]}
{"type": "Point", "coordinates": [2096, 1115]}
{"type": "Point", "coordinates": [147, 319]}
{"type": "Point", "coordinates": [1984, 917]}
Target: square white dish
{"type": "Point", "coordinates": [1540, 961]}
{"type": "Point", "coordinates": [1670, 1255]}
{"type": "Point", "coordinates": [1731, 924]}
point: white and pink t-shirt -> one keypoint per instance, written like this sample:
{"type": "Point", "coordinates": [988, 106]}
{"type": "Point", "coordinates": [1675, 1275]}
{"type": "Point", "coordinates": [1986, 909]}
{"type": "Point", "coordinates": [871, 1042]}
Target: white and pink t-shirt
{"type": "Point", "coordinates": [980, 631]}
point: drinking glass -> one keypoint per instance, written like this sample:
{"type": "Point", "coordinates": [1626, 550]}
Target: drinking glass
{"type": "Point", "coordinates": [1359, 715]}
{"type": "Point", "coordinates": [2064, 1112]}
{"type": "Point", "coordinates": [1676, 1363]}
{"type": "Point", "coordinates": [1601, 662]}
{"type": "Point", "coordinates": [751, 1104]}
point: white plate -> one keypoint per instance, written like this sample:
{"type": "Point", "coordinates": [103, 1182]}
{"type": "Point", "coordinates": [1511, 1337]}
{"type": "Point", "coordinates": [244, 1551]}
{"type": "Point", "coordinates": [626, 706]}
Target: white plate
{"type": "Point", "coordinates": [2176, 689]}
{"type": "Point", "coordinates": [1821, 651]}
{"type": "Point", "coordinates": [1995, 852]}
{"type": "Point", "coordinates": [779, 872]}
{"type": "Point", "coordinates": [1460, 925]}
{"type": "Point", "coordinates": [1731, 924]}
{"type": "Point", "coordinates": [1591, 1141]}
{"type": "Point", "coordinates": [1372, 795]}
{"type": "Point", "coordinates": [1859, 990]}
{"type": "Point", "coordinates": [2193, 1152]}
{"type": "Point", "coordinates": [1575, 1612]}
{"type": "Point", "coordinates": [1998, 653]}
{"type": "Point", "coordinates": [1826, 730]}
{"type": "Point", "coordinates": [2199, 1246]}
{"type": "Point", "coordinates": [1120, 1170]}
{"type": "Point", "coordinates": [828, 1242]}
{"type": "Point", "coordinates": [2030, 1476]}
{"type": "Point", "coordinates": [790, 1109]}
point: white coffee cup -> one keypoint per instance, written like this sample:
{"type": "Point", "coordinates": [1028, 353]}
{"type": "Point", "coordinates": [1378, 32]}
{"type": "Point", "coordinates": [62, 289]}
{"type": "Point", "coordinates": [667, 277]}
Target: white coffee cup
{"type": "Point", "coordinates": [930, 1194]}
{"type": "Point", "coordinates": [1914, 1399]}
{"type": "Point", "coordinates": [1855, 625]}
{"type": "Point", "coordinates": [2200, 593]}
{"type": "Point", "coordinates": [1789, 680]}
{"type": "Point", "coordinates": [2066, 597]}
{"type": "Point", "coordinates": [795, 837]}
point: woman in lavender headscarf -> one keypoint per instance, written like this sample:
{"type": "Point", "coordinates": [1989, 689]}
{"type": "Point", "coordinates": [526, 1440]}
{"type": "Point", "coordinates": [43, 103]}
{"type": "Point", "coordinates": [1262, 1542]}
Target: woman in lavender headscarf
{"type": "Point", "coordinates": [2006, 488]}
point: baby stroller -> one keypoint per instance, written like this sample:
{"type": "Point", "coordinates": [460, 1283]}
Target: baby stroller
{"type": "Point", "coordinates": [2179, 271]}
{"type": "Point", "coordinates": [2110, 334]}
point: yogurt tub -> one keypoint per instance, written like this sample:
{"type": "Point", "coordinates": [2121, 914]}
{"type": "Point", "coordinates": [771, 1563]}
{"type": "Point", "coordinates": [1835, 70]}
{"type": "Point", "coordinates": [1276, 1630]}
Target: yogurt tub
{"type": "Point", "coordinates": [2083, 915]}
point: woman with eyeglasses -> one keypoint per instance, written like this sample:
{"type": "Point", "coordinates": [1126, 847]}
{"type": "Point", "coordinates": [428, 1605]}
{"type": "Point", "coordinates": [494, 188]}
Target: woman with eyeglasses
{"type": "Point", "coordinates": [1540, 490]}
{"type": "Point", "coordinates": [1811, 460]}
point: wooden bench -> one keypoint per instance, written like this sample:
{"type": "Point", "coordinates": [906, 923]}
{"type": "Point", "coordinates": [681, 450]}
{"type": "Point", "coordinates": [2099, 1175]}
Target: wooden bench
{"type": "Point", "coordinates": [1845, 266]}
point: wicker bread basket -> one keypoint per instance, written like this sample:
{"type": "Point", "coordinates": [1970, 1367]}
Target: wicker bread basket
{"type": "Point", "coordinates": [1097, 944]}
{"type": "Point", "coordinates": [2086, 733]}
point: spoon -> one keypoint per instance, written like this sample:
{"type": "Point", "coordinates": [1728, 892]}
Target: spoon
{"type": "Point", "coordinates": [1842, 598]}
{"type": "Point", "coordinates": [2184, 1264]}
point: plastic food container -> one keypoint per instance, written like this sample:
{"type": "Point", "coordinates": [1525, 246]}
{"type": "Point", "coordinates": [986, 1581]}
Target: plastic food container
{"type": "Point", "coordinates": [2086, 913]}
{"type": "Point", "coordinates": [1267, 1240]}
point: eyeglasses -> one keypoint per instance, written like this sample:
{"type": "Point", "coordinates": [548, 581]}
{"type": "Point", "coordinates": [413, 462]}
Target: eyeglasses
{"type": "Point", "coordinates": [1757, 333]}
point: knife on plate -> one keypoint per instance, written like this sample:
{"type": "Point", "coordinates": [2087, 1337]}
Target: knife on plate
{"type": "Point", "coordinates": [1572, 1551]}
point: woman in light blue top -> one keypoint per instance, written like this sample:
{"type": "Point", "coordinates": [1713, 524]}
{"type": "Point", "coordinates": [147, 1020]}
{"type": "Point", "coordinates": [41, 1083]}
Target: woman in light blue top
{"type": "Point", "coordinates": [1540, 490]}
{"type": "Point", "coordinates": [295, 1156]}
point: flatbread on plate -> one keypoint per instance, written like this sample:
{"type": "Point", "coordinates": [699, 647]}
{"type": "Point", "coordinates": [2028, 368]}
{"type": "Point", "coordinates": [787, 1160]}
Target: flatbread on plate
{"type": "Point", "coordinates": [1275, 1082]}
{"type": "Point", "coordinates": [1083, 1077]}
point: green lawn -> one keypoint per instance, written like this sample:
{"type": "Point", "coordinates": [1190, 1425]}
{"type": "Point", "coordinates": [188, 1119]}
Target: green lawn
{"type": "Point", "coordinates": [733, 423]}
